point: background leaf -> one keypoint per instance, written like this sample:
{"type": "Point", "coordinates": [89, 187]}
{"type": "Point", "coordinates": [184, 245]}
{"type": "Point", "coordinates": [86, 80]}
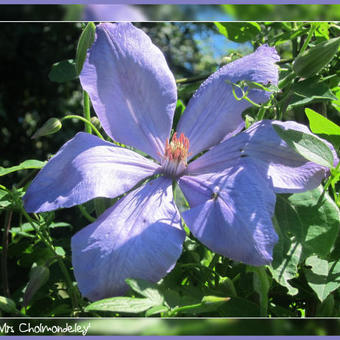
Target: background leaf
{"type": "Point", "coordinates": [63, 71]}
{"type": "Point", "coordinates": [239, 31]}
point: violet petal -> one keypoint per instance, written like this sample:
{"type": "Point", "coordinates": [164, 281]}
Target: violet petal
{"type": "Point", "coordinates": [84, 168]}
{"type": "Point", "coordinates": [131, 87]}
{"type": "Point", "coordinates": [213, 112]}
{"type": "Point", "coordinates": [140, 237]}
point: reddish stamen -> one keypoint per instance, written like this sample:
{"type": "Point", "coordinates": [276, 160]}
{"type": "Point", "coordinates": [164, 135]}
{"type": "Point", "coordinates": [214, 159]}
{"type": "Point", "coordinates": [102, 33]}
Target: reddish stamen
{"type": "Point", "coordinates": [174, 161]}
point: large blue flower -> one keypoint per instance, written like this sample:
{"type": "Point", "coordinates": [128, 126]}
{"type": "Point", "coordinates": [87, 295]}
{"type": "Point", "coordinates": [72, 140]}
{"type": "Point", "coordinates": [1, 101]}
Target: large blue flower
{"type": "Point", "coordinates": [230, 188]}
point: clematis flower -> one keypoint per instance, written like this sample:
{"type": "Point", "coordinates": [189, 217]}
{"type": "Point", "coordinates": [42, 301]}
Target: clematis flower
{"type": "Point", "coordinates": [228, 177]}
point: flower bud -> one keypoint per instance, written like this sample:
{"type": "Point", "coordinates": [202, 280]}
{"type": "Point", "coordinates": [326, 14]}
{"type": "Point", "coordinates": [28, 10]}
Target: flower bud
{"type": "Point", "coordinates": [49, 128]}
{"type": "Point", "coordinates": [314, 59]}
{"type": "Point", "coordinates": [95, 121]}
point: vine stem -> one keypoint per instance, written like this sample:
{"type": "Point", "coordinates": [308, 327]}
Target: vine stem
{"type": "Point", "coordinates": [309, 37]}
{"type": "Point", "coordinates": [4, 272]}
{"type": "Point", "coordinates": [86, 121]}
{"type": "Point", "coordinates": [87, 112]}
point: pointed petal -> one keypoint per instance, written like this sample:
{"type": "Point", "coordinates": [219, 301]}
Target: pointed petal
{"type": "Point", "coordinates": [131, 87]}
{"type": "Point", "coordinates": [261, 146]}
{"type": "Point", "coordinates": [213, 112]}
{"type": "Point", "coordinates": [289, 171]}
{"type": "Point", "coordinates": [84, 168]}
{"type": "Point", "coordinates": [140, 237]}
{"type": "Point", "coordinates": [231, 213]}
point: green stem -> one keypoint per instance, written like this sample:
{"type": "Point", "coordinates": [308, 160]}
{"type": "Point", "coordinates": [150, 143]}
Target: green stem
{"type": "Point", "coordinates": [8, 220]}
{"type": "Point", "coordinates": [86, 214]}
{"type": "Point", "coordinates": [86, 121]}
{"type": "Point", "coordinates": [192, 80]}
{"type": "Point", "coordinates": [309, 37]}
{"type": "Point", "coordinates": [87, 112]}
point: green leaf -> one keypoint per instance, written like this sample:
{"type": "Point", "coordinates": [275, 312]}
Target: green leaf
{"type": "Point", "coordinates": [146, 289]}
{"type": "Point", "coordinates": [323, 276]}
{"type": "Point", "coordinates": [320, 124]}
{"type": "Point", "coordinates": [286, 257]}
{"type": "Point", "coordinates": [239, 31]}
{"type": "Point", "coordinates": [323, 126]}
{"type": "Point", "coordinates": [310, 147]}
{"type": "Point", "coordinates": [7, 305]}
{"type": "Point", "coordinates": [63, 71]}
{"type": "Point", "coordinates": [29, 164]}
{"type": "Point", "coordinates": [4, 198]}
{"type": "Point", "coordinates": [239, 307]}
{"type": "Point", "coordinates": [39, 275]}
{"type": "Point", "coordinates": [156, 310]}
{"type": "Point", "coordinates": [121, 305]}
{"type": "Point", "coordinates": [307, 224]}
{"type": "Point", "coordinates": [326, 308]}
{"type": "Point", "coordinates": [261, 285]}
{"type": "Point", "coordinates": [316, 58]}
{"type": "Point", "coordinates": [309, 91]}
{"type": "Point", "coordinates": [85, 41]}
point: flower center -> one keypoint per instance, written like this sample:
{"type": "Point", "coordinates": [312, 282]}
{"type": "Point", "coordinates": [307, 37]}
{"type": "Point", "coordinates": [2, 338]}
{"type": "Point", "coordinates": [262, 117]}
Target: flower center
{"type": "Point", "coordinates": [174, 161]}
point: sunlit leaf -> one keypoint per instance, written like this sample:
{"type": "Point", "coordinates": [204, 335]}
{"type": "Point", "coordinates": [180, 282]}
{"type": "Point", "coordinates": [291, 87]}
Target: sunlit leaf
{"type": "Point", "coordinates": [28, 164]}
{"type": "Point", "coordinates": [239, 31]}
{"type": "Point", "coordinates": [121, 304]}
{"type": "Point", "coordinates": [323, 276]}
{"type": "Point", "coordinates": [307, 145]}
{"type": "Point", "coordinates": [146, 289]}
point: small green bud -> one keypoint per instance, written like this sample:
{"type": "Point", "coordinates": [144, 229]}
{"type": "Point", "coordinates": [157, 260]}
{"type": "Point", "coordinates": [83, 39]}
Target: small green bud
{"type": "Point", "coordinates": [49, 128]}
{"type": "Point", "coordinates": [214, 299]}
{"type": "Point", "coordinates": [314, 59]}
{"type": "Point", "coordinates": [95, 121]}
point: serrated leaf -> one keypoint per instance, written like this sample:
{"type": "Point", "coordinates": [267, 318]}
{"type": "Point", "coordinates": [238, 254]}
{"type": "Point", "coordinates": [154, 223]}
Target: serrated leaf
{"type": "Point", "coordinates": [323, 277]}
{"type": "Point", "coordinates": [307, 224]}
{"type": "Point", "coordinates": [63, 71]}
{"type": "Point", "coordinates": [308, 146]}
{"type": "Point", "coordinates": [28, 164]}
{"type": "Point", "coordinates": [85, 41]}
{"type": "Point", "coordinates": [121, 305]}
